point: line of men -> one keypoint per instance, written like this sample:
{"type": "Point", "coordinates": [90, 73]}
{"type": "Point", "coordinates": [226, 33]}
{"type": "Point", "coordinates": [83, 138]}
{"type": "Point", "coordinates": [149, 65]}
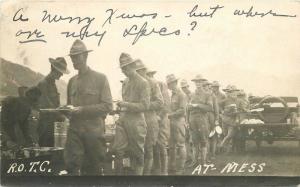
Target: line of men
{"type": "Point", "coordinates": [186, 116]}
{"type": "Point", "coordinates": [158, 132]}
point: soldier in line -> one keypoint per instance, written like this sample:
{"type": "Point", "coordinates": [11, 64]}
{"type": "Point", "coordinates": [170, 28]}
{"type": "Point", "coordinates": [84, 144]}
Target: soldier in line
{"type": "Point", "coordinates": [16, 119]}
{"type": "Point", "coordinates": [230, 115]}
{"type": "Point", "coordinates": [243, 108]}
{"type": "Point", "coordinates": [216, 91]}
{"type": "Point", "coordinates": [219, 97]}
{"type": "Point", "coordinates": [160, 157]}
{"type": "Point", "coordinates": [201, 103]}
{"type": "Point", "coordinates": [156, 103]}
{"type": "Point", "coordinates": [136, 100]}
{"type": "Point", "coordinates": [213, 119]}
{"type": "Point", "coordinates": [50, 99]}
{"type": "Point", "coordinates": [221, 108]}
{"type": "Point", "coordinates": [89, 93]}
{"type": "Point", "coordinates": [190, 156]}
{"type": "Point", "coordinates": [177, 116]}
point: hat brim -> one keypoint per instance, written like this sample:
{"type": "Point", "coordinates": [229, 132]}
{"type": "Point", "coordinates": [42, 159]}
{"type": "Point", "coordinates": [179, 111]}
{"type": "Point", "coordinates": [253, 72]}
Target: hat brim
{"type": "Point", "coordinates": [79, 52]}
{"type": "Point", "coordinates": [235, 90]}
{"type": "Point", "coordinates": [66, 71]}
{"type": "Point", "coordinates": [140, 68]}
{"type": "Point", "coordinates": [126, 64]}
{"type": "Point", "coordinates": [194, 80]}
{"type": "Point", "coordinates": [151, 72]}
{"type": "Point", "coordinates": [174, 80]}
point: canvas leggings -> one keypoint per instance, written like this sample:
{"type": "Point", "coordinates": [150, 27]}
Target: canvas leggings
{"type": "Point", "coordinates": [130, 140]}
{"type": "Point", "coordinates": [160, 156]}
{"type": "Point", "coordinates": [177, 150]}
{"type": "Point", "coordinates": [85, 149]}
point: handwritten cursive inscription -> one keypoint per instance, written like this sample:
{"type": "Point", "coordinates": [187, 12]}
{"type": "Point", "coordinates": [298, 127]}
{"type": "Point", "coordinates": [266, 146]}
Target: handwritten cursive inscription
{"type": "Point", "coordinates": [31, 36]}
{"type": "Point", "coordinates": [143, 31]}
{"type": "Point", "coordinates": [252, 13]}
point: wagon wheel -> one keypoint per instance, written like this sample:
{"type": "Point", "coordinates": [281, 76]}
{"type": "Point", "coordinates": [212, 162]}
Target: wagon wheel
{"type": "Point", "coordinates": [281, 116]}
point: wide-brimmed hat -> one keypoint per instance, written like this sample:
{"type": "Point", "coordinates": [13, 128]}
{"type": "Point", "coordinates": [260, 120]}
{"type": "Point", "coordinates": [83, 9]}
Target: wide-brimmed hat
{"type": "Point", "coordinates": [184, 83]}
{"type": "Point", "coordinates": [215, 84]}
{"type": "Point", "coordinates": [78, 47]}
{"type": "Point", "coordinates": [125, 59]}
{"type": "Point", "coordinates": [199, 77]}
{"type": "Point", "coordinates": [233, 89]}
{"type": "Point", "coordinates": [227, 88]}
{"type": "Point", "coordinates": [171, 78]}
{"type": "Point", "coordinates": [139, 65]}
{"type": "Point", "coordinates": [59, 64]}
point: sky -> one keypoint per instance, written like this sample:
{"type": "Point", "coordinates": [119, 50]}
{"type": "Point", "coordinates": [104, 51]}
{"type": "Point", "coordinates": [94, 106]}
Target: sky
{"type": "Point", "coordinates": [260, 55]}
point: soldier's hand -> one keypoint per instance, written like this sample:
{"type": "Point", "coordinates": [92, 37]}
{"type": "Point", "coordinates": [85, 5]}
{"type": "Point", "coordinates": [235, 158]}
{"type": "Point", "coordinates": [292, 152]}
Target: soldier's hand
{"type": "Point", "coordinates": [217, 123]}
{"type": "Point", "coordinates": [76, 110]}
{"type": "Point", "coordinates": [122, 104]}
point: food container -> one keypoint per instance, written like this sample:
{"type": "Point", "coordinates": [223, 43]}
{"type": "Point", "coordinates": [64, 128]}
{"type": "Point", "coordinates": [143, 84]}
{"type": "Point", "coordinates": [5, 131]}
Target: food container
{"type": "Point", "coordinates": [60, 133]}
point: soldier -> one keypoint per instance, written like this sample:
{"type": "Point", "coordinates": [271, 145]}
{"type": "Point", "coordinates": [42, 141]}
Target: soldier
{"type": "Point", "coordinates": [221, 108]}
{"type": "Point", "coordinates": [177, 149]}
{"type": "Point", "coordinates": [16, 116]}
{"type": "Point", "coordinates": [226, 90]}
{"type": "Point", "coordinates": [216, 91]}
{"type": "Point", "coordinates": [160, 157]}
{"type": "Point", "coordinates": [136, 100]}
{"type": "Point", "coordinates": [230, 117]}
{"type": "Point", "coordinates": [213, 119]}
{"type": "Point", "coordinates": [50, 99]}
{"type": "Point", "coordinates": [89, 93]}
{"type": "Point", "coordinates": [185, 88]}
{"type": "Point", "coordinates": [243, 108]}
{"type": "Point", "coordinates": [219, 98]}
{"type": "Point", "coordinates": [156, 103]}
{"type": "Point", "coordinates": [190, 157]}
{"type": "Point", "coordinates": [201, 104]}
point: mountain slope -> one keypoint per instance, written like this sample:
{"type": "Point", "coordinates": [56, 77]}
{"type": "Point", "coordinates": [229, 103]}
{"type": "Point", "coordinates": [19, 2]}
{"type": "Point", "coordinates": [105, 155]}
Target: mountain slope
{"type": "Point", "coordinates": [14, 75]}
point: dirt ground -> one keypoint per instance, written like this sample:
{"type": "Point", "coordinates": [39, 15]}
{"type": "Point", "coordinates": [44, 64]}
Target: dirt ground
{"type": "Point", "coordinates": [279, 159]}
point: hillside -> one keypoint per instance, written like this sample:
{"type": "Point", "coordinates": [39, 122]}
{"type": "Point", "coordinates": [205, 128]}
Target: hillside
{"type": "Point", "coordinates": [14, 75]}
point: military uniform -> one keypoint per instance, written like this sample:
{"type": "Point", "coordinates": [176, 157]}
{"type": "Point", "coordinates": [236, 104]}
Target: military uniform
{"type": "Point", "coordinates": [85, 145]}
{"type": "Point", "coordinates": [14, 122]}
{"type": "Point", "coordinates": [136, 92]}
{"type": "Point", "coordinates": [49, 99]}
{"type": "Point", "coordinates": [156, 102]}
{"type": "Point", "coordinates": [199, 121]}
{"type": "Point", "coordinates": [19, 121]}
{"type": "Point", "coordinates": [243, 106]}
{"type": "Point", "coordinates": [219, 96]}
{"type": "Point", "coordinates": [190, 157]}
{"type": "Point", "coordinates": [229, 118]}
{"type": "Point", "coordinates": [177, 127]}
{"type": "Point", "coordinates": [160, 164]}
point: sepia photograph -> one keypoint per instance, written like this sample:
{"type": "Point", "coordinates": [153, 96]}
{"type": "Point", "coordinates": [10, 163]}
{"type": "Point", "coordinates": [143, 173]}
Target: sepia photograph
{"type": "Point", "coordinates": [143, 89]}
